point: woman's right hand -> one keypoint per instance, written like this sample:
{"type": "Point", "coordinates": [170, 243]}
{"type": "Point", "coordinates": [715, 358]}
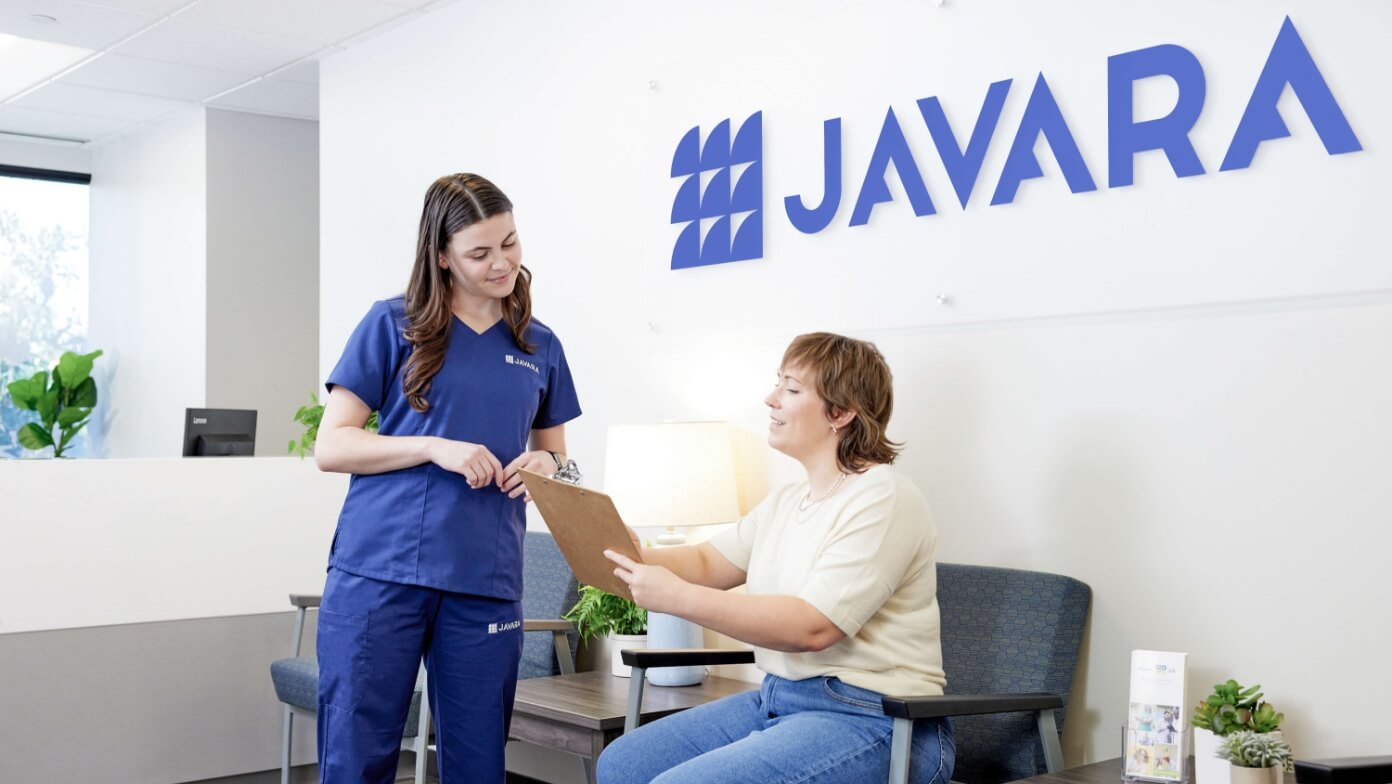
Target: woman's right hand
{"type": "Point", "coordinates": [472, 461]}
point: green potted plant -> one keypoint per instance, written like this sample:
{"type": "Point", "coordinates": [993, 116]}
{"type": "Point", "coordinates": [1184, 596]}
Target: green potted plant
{"type": "Point", "coordinates": [63, 399]}
{"type": "Point", "coordinates": [1255, 757]}
{"type": "Point", "coordinates": [601, 614]}
{"type": "Point", "coordinates": [310, 416]}
{"type": "Point", "coordinates": [1230, 709]}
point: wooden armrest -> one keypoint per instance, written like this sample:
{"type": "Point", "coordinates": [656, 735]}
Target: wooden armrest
{"type": "Point", "coordinates": [680, 657]}
{"type": "Point", "coordinates": [548, 625]}
{"type": "Point", "coordinates": [941, 705]}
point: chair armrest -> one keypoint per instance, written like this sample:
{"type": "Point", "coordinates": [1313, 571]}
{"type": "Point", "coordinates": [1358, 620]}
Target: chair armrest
{"type": "Point", "coordinates": [938, 706]}
{"type": "Point", "coordinates": [681, 657]}
{"type": "Point", "coordinates": [305, 599]}
{"type": "Point", "coordinates": [1344, 770]}
{"type": "Point", "coordinates": [559, 640]}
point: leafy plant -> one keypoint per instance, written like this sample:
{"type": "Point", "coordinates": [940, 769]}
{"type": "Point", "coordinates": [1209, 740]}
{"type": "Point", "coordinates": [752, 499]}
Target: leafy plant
{"type": "Point", "coordinates": [1232, 708]}
{"type": "Point", "coordinates": [64, 400]}
{"type": "Point", "coordinates": [310, 416]}
{"type": "Point", "coordinates": [598, 613]}
{"type": "Point", "coordinates": [1247, 749]}
{"type": "Point", "coordinates": [12, 417]}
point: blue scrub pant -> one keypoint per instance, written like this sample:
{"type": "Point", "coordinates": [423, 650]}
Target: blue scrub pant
{"type": "Point", "coordinates": [372, 636]}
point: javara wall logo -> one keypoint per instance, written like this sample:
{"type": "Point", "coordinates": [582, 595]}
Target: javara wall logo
{"type": "Point", "coordinates": [725, 218]}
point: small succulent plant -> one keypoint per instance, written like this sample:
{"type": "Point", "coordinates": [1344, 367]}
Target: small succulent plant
{"type": "Point", "coordinates": [1247, 749]}
{"type": "Point", "coordinates": [1233, 708]}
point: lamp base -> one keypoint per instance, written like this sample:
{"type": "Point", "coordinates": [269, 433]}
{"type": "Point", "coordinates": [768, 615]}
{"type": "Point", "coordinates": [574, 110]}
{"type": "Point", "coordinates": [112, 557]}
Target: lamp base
{"type": "Point", "coordinates": [669, 631]}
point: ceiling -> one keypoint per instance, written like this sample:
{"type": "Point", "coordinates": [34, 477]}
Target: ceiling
{"type": "Point", "coordinates": [82, 73]}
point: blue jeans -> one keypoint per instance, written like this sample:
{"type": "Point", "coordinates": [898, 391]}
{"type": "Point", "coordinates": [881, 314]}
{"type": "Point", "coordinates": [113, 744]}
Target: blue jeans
{"type": "Point", "coordinates": [814, 730]}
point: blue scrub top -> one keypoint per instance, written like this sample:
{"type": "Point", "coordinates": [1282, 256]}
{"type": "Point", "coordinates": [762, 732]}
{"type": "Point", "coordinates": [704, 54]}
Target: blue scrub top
{"type": "Point", "coordinates": [424, 525]}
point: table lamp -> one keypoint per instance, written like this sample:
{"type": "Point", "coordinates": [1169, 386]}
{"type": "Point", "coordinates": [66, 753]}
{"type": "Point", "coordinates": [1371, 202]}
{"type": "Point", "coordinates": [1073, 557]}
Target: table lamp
{"type": "Point", "coordinates": [674, 475]}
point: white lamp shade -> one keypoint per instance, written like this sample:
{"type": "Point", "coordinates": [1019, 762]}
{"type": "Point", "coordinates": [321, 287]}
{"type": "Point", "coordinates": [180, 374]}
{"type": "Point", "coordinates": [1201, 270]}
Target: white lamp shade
{"type": "Point", "coordinates": [672, 474]}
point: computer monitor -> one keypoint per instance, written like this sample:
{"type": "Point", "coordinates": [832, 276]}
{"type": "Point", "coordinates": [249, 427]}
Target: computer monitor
{"type": "Point", "coordinates": [219, 432]}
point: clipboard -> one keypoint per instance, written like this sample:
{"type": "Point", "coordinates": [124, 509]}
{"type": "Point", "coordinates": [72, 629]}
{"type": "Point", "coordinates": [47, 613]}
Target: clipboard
{"type": "Point", "coordinates": [585, 524]}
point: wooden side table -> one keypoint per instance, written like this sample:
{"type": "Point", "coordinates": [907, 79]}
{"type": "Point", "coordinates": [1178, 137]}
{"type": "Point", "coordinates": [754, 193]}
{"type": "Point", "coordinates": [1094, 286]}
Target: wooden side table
{"type": "Point", "coordinates": [584, 712]}
{"type": "Point", "coordinates": [1104, 772]}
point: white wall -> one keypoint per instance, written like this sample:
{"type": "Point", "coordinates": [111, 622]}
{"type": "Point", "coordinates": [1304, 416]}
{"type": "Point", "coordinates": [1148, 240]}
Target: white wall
{"type": "Point", "coordinates": [1171, 391]}
{"type": "Point", "coordinates": [148, 278]}
{"type": "Point", "coordinates": [41, 156]}
{"type": "Point", "coordinates": [263, 269]}
{"type": "Point", "coordinates": [204, 277]}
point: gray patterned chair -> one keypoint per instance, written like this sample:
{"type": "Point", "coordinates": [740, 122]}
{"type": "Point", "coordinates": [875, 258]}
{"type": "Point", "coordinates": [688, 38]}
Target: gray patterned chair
{"type": "Point", "coordinates": [1010, 641]}
{"type": "Point", "coordinates": [549, 590]}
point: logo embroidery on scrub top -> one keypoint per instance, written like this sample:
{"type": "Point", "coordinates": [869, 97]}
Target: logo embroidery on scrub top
{"type": "Point", "coordinates": [494, 628]}
{"type": "Point", "coordinates": [511, 360]}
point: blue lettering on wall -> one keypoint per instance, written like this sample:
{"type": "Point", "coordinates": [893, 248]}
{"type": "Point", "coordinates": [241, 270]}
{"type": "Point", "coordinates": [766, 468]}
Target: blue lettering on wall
{"type": "Point", "coordinates": [1042, 118]}
{"type": "Point", "coordinates": [1289, 63]}
{"type": "Point", "coordinates": [1126, 137]}
{"type": "Point", "coordinates": [811, 221]}
{"type": "Point", "coordinates": [963, 166]}
{"type": "Point", "coordinates": [893, 148]}
{"type": "Point", "coordinates": [714, 232]}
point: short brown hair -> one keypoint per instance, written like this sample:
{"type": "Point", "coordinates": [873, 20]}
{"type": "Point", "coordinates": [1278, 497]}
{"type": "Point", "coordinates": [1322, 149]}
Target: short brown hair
{"type": "Point", "coordinates": [850, 375]}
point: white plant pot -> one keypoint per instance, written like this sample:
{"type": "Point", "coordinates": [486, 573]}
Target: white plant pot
{"type": "Point", "coordinates": [1255, 775]}
{"type": "Point", "coordinates": [1209, 768]}
{"type": "Point", "coordinates": [617, 643]}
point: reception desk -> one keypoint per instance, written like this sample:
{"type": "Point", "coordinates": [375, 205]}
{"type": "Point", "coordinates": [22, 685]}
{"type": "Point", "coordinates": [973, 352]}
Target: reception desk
{"type": "Point", "coordinates": [141, 602]}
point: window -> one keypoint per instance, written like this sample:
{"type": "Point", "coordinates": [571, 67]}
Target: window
{"type": "Point", "coordinates": [43, 282]}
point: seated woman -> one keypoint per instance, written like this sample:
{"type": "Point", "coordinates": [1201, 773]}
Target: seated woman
{"type": "Point", "coordinates": [840, 606]}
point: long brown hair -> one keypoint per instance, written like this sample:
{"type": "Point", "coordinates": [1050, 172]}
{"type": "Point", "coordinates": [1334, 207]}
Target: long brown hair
{"type": "Point", "coordinates": [452, 203]}
{"type": "Point", "coordinates": [850, 375]}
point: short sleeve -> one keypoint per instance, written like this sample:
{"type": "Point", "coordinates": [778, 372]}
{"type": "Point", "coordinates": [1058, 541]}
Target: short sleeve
{"type": "Point", "coordinates": [560, 403]}
{"type": "Point", "coordinates": [371, 358]}
{"type": "Point", "coordinates": [863, 561]}
{"type": "Point", "coordinates": [736, 542]}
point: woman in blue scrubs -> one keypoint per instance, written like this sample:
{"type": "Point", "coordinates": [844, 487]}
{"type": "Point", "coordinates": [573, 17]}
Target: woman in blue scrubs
{"type": "Point", "coordinates": [427, 558]}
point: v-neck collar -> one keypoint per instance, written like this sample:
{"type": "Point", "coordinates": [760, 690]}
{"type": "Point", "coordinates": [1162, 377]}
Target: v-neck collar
{"type": "Point", "coordinates": [473, 331]}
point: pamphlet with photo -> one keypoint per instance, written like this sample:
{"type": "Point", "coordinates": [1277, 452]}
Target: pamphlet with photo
{"type": "Point", "coordinates": [1155, 746]}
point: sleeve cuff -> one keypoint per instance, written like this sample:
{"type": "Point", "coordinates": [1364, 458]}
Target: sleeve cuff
{"type": "Point", "coordinates": [831, 602]}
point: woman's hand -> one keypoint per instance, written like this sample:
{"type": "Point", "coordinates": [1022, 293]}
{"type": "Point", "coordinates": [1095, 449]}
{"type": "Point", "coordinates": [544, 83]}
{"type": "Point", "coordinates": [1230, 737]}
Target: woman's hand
{"type": "Point", "coordinates": [654, 588]}
{"type": "Point", "coordinates": [538, 461]}
{"type": "Point", "coordinates": [472, 461]}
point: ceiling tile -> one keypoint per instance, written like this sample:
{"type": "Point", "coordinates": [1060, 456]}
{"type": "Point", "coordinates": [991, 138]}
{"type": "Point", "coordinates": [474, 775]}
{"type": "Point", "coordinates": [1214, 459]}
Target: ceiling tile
{"type": "Point", "coordinates": [25, 62]}
{"type": "Point", "coordinates": [324, 21]}
{"type": "Point", "coordinates": [152, 77]}
{"type": "Point", "coordinates": [219, 48]}
{"type": "Point", "coordinates": [87, 26]}
{"type": "Point", "coordinates": [17, 119]}
{"type": "Point", "coordinates": [273, 96]}
{"type": "Point", "coordinates": [410, 3]}
{"type": "Point", "coordinates": [306, 72]}
{"type": "Point", "coordinates": [99, 103]}
{"type": "Point", "coordinates": [390, 24]}
{"type": "Point", "coordinates": [155, 7]}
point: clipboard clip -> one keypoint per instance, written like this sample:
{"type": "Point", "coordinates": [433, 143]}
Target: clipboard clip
{"type": "Point", "coordinates": [570, 474]}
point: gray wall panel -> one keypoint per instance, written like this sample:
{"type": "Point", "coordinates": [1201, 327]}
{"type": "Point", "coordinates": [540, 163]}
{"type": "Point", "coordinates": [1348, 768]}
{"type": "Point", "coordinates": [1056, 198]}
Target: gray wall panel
{"type": "Point", "coordinates": [151, 703]}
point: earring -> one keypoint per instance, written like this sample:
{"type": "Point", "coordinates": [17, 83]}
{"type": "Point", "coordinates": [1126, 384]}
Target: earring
{"type": "Point", "coordinates": [833, 429]}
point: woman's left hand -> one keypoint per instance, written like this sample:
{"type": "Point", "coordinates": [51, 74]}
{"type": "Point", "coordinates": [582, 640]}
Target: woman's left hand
{"type": "Point", "coordinates": [654, 588]}
{"type": "Point", "coordinates": [537, 461]}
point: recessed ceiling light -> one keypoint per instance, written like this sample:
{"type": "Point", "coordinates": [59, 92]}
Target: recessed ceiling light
{"type": "Point", "coordinates": [42, 19]}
